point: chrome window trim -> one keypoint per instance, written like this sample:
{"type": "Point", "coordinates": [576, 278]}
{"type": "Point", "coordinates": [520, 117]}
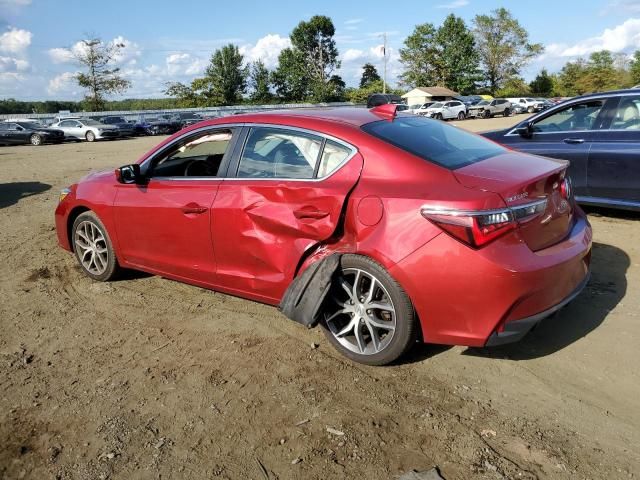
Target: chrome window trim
{"type": "Point", "coordinates": [350, 147]}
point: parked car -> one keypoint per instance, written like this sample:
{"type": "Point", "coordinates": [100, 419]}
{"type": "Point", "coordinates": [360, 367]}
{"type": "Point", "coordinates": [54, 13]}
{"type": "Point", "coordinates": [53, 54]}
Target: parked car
{"type": "Point", "coordinates": [188, 118]}
{"type": "Point", "coordinates": [531, 105]}
{"type": "Point", "coordinates": [422, 110]}
{"type": "Point", "coordinates": [127, 129]}
{"type": "Point", "coordinates": [308, 208]}
{"type": "Point", "coordinates": [383, 98]}
{"type": "Point", "coordinates": [517, 108]}
{"type": "Point", "coordinates": [447, 110]}
{"type": "Point", "coordinates": [12, 133]}
{"type": "Point", "coordinates": [599, 134]}
{"type": "Point", "coordinates": [544, 103]}
{"type": "Point", "coordinates": [469, 100]}
{"type": "Point", "coordinates": [157, 126]}
{"type": "Point", "coordinates": [488, 109]}
{"type": "Point", "coordinates": [86, 129]}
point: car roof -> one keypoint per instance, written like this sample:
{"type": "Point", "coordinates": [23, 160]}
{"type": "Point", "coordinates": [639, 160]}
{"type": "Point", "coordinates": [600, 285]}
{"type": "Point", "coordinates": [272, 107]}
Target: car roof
{"type": "Point", "coordinates": [626, 91]}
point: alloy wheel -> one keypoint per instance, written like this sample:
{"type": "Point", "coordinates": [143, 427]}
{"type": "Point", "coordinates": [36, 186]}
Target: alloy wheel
{"type": "Point", "coordinates": [92, 245]}
{"type": "Point", "coordinates": [364, 321]}
{"type": "Point", "coordinates": [35, 139]}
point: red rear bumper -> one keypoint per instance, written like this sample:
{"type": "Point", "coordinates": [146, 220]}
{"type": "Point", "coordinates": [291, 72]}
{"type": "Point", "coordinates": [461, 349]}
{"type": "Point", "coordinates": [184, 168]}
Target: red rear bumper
{"type": "Point", "coordinates": [470, 297]}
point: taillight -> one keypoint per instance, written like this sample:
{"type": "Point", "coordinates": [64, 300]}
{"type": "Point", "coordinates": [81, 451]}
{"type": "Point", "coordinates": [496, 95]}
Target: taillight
{"type": "Point", "coordinates": [476, 229]}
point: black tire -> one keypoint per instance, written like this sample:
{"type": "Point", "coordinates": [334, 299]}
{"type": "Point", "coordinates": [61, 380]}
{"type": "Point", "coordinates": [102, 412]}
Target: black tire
{"type": "Point", "coordinates": [90, 136]}
{"type": "Point", "coordinates": [112, 268]}
{"type": "Point", "coordinates": [506, 112]}
{"type": "Point", "coordinates": [486, 114]}
{"type": "Point", "coordinates": [531, 109]}
{"type": "Point", "coordinates": [461, 116]}
{"type": "Point", "coordinates": [406, 329]}
{"type": "Point", "coordinates": [35, 140]}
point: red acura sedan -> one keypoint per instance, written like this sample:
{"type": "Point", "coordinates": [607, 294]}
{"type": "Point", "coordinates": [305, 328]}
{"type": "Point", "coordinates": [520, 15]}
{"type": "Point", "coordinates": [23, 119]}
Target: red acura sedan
{"type": "Point", "coordinates": [383, 228]}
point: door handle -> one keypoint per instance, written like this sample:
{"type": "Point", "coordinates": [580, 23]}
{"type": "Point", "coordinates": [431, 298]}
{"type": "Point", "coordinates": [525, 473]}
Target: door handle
{"type": "Point", "coordinates": [309, 213]}
{"type": "Point", "coordinates": [573, 140]}
{"type": "Point", "coordinates": [193, 208]}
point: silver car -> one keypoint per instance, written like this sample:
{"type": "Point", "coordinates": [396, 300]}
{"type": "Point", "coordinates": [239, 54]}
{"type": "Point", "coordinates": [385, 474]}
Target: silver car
{"type": "Point", "coordinates": [86, 129]}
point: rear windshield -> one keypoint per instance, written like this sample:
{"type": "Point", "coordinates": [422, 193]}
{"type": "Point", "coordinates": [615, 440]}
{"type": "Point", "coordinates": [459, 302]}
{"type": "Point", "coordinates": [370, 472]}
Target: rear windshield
{"type": "Point", "coordinates": [434, 141]}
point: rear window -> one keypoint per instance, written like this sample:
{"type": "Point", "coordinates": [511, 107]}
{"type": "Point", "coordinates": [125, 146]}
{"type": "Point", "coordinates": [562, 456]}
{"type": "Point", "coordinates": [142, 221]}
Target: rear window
{"type": "Point", "coordinates": [434, 141]}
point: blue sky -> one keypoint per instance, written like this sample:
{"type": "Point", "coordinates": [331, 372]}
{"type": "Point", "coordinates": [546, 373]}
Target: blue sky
{"type": "Point", "coordinates": [172, 41]}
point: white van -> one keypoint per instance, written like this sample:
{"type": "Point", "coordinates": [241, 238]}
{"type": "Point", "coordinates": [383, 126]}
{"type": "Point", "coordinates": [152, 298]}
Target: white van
{"type": "Point", "coordinates": [529, 104]}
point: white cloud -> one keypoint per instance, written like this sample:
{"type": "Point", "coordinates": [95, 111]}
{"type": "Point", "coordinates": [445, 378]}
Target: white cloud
{"type": "Point", "coordinates": [14, 3]}
{"type": "Point", "coordinates": [15, 40]}
{"type": "Point", "coordinates": [353, 60]}
{"type": "Point", "coordinates": [354, 21]}
{"type": "Point", "coordinates": [353, 54]}
{"type": "Point", "coordinates": [64, 85]}
{"type": "Point", "coordinates": [127, 55]}
{"type": "Point", "coordinates": [10, 64]}
{"type": "Point", "coordinates": [454, 4]}
{"type": "Point", "coordinates": [185, 64]}
{"type": "Point", "coordinates": [267, 49]}
{"type": "Point", "coordinates": [621, 38]}
{"type": "Point", "coordinates": [632, 6]}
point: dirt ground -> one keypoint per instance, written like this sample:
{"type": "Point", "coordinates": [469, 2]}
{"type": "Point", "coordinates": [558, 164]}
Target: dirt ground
{"type": "Point", "coordinates": [148, 378]}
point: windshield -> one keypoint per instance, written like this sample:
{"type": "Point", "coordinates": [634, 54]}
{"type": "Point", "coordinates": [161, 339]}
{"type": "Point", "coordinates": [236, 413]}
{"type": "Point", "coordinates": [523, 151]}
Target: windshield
{"type": "Point", "coordinates": [92, 123]}
{"type": "Point", "coordinates": [436, 105]}
{"type": "Point", "coordinates": [434, 141]}
{"type": "Point", "coordinates": [482, 102]}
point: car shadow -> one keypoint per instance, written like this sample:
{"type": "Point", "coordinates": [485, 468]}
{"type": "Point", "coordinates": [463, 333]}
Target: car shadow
{"type": "Point", "coordinates": [611, 213]}
{"type": "Point", "coordinates": [604, 291]}
{"type": "Point", "coordinates": [11, 193]}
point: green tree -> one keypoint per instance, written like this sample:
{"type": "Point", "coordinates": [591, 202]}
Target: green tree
{"type": "Point", "coordinates": [226, 77]}
{"type": "Point", "coordinates": [260, 84]}
{"type": "Point", "coordinates": [570, 78]}
{"type": "Point", "coordinates": [369, 75]}
{"type": "Point", "coordinates": [542, 85]}
{"type": "Point", "coordinates": [290, 78]}
{"type": "Point", "coordinates": [100, 79]}
{"type": "Point", "coordinates": [634, 69]}
{"type": "Point", "coordinates": [458, 65]}
{"type": "Point", "coordinates": [419, 57]}
{"type": "Point", "coordinates": [514, 87]}
{"type": "Point", "coordinates": [503, 46]}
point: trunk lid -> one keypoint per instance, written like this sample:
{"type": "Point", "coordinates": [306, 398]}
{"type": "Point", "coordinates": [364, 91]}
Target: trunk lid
{"type": "Point", "coordinates": [521, 179]}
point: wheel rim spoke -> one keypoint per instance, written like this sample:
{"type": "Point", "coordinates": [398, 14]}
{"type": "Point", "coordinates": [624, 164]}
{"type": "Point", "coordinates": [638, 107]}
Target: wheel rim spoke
{"type": "Point", "coordinates": [380, 324]}
{"type": "Point", "coordinates": [374, 336]}
{"type": "Point", "coordinates": [92, 248]}
{"type": "Point", "coordinates": [380, 306]}
{"type": "Point", "coordinates": [360, 339]}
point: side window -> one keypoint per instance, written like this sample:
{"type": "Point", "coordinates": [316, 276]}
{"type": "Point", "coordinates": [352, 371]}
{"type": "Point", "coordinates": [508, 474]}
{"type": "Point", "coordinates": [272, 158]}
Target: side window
{"type": "Point", "coordinates": [68, 123]}
{"type": "Point", "coordinates": [332, 157]}
{"type": "Point", "coordinates": [4, 126]}
{"type": "Point", "coordinates": [577, 117]}
{"type": "Point", "coordinates": [13, 126]}
{"type": "Point", "coordinates": [195, 156]}
{"type": "Point", "coordinates": [627, 115]}
{"type": "Point", "coordinates": [279, 153]}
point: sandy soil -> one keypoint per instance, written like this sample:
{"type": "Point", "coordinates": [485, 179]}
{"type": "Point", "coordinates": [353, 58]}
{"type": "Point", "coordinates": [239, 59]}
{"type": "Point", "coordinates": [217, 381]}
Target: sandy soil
{"type": "Point", "coordinates": [148, 378]}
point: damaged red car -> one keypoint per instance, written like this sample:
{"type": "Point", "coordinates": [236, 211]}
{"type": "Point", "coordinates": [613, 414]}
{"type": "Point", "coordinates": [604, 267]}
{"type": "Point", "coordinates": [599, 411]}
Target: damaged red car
{"type": "Point", "coordinates": [383, 228]}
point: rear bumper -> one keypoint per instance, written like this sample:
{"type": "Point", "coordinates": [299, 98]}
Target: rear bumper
{"type": "Point", "coordinates": [462, 296]}
{"type": "Point", "coordinates": [515, 330]}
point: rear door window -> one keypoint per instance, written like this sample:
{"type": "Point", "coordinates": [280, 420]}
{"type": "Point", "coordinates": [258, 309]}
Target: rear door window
{"type": "Point", "coordinates": [577, 117]}
{"type": "Point", "coordinates": [434, 141]}
{"type": "Point", "coordinates": [627, 114]}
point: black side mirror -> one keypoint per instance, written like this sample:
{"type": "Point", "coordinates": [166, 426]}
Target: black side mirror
{"type": "Point", "coordinates": [525, 130]}
{"type": "Point", "coordinates": [130, 174]}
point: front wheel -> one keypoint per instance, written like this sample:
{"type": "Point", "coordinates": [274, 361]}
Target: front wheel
{"type": "Point", "coordinates": [93, 248]}
{"type": "Point", "coordinates": [506, 112]}
{"type": "Point", "coordinates": [486, 114]}
{"type": "Point", "coordinates": [35, 139]}
{"type": "Point", "coordinates": [90, 136]}
{"type": "Point", "coordinates": [531, 109]}
{"type": "Point", "coordinates": [461, 116]}
{"type": "Point", "coordinates": [367, 316]}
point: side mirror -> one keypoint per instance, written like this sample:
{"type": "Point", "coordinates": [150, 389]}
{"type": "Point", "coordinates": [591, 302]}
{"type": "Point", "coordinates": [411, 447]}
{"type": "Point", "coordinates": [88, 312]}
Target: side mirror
{"type": "Point", "coordinates": [525, 130]}
{"type": "Point", "coordinates": [129, 174]}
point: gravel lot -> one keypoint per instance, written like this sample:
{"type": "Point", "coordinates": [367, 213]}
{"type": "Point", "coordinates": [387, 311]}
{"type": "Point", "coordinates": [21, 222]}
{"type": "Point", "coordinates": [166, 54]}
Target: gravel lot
{"type": "Point", "coordinates": [148, 378]}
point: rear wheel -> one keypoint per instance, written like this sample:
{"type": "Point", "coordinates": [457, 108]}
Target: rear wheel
{"type": "Point", "coordinates": [367, 316]}
{"type": "Point", "coordinates": [90, 136]}
{"type": "Point", "coordinates": [35, 139]}
{"type": "Point", "coordinates": [93, 248]}
{"type": "Point", "coordinates": [506, 112]}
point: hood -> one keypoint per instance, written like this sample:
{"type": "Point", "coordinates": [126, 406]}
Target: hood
{"type": "Point", "coordinates": [97, 176]}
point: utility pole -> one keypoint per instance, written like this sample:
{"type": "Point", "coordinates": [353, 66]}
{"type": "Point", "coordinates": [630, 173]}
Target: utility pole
{"type": "Point", "coordinates": [384, 63]}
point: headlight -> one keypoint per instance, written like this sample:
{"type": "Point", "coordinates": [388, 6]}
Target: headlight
{"type": "Point", "coordinates": [100, 130]}
{"type": "Point", "coordinates": [63, 194]}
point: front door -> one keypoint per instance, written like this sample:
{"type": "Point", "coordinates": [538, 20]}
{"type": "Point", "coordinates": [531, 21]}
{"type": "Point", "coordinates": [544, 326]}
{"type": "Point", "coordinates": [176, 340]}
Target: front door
{"type": "Point", "coordinates": [165, 225]}
{"type": "Point", "coordinates": [287, 196]}
{"type": "Point", "coordinates": [614, 160]}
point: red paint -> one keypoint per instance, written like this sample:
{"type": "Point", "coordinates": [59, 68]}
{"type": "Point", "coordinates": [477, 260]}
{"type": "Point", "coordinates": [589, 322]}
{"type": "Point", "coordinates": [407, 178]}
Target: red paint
{"type": "Point", "coordinates": [251, 237]}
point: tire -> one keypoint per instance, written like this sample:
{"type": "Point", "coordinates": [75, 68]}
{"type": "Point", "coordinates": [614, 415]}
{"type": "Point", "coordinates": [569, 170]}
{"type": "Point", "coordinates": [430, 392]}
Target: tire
{"type": "Point", "coordinates": [461, 116]}
{"type": "Point", "coordinates": [531, 109]}
{"type": "Point", "coordinates": [486, 114]}
{"type": "Point", "coordinates": [344, 316]}
{"type": "Point", "coordinates": [92, 246]}
{"type": "Point", "coordinates": [90, 136]}
{"type": "Point", "coordinates": [35, 140]}
{"type": "Point", "coordinates": [506, 112]}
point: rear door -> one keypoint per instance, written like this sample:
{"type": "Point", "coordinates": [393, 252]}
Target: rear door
{"type": "Point", "coordinates": [288, 195]}
{"type": "Point", "coordinates": [613, 173]}
{"type": "Point", "coordinates": [16, 134]}
{"type": "Point", "coordinates": [565, 134]}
